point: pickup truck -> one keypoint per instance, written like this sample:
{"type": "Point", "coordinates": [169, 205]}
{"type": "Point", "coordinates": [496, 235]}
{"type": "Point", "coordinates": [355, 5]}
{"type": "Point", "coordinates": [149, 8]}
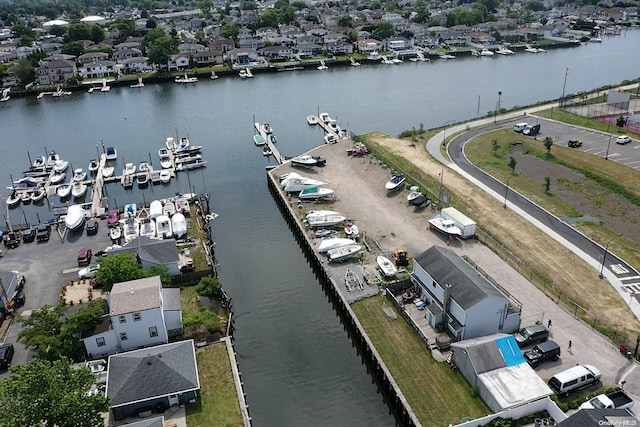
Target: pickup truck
{"type": "Point", "coordinates": [616, 399]}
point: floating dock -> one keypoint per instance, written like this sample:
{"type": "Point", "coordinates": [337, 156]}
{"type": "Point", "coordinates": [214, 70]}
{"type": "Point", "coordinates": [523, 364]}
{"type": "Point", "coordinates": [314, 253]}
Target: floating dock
{"type": "Point", "coordinates": [274, 151]}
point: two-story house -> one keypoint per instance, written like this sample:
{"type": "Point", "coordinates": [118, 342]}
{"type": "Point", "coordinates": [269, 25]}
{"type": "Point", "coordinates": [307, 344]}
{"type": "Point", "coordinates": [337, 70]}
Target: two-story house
{"type": "Point", "coordinates": [461, 300]}
{"type": "Point", "coordinates": [97, 69]}
{"type": "Point", "coordinates": [141, 314]}
{"type": "Point", "coordinates": [56, 72]}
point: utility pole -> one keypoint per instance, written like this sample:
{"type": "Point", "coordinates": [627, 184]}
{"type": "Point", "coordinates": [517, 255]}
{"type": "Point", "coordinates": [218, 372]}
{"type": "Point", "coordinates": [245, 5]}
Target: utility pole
{"type": "Point", "coordinates": [564, 85]}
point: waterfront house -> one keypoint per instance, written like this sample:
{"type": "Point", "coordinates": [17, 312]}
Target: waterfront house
{"type": "Point", "coordinates": [222, 44]}
{"type": "Point", "coordinates": [209, 58]}
{"type": "Point", "coordinates": [368, 45]}
{"type": "Point", "coordinates": [149, 380]}
{"type": "Point", "coordinates": [89, 57]}
{"type": "Point", "coordinates": [277, 52]}
{"type": "Point", "coordinates": [178, 62]}
{"type": "Point", "coordinates": [126, 53]}
{"type": "Point", "coordinates": [136, 65]}
{"type": "Point", "coordinates": [141, 314]}
{"type": "Point", "coordinates": [56, 72]}
{"type": "Point", "coordinates": [308, 50]}
{"type": "Point", "coordinates": [190, 49]}
{"type": "Point", "coordinates": [459, 299]}
{"type": "Point", "coordinates": [153, 253]}
{"type": "Point", "coordinates": [98, 69]}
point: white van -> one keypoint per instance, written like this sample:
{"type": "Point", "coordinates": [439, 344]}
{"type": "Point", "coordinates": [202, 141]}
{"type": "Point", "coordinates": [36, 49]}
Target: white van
{"type": "Point", "coordinates": [580, 376]}
{"type": "Point", "coordinates": [519, 127]}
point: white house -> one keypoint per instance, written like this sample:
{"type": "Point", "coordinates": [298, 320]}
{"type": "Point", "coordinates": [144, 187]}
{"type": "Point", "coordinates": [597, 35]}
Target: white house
{"type": "Point", "coordinates": [141, 314]}
{"type": "Point", "coordinates": [98, 69]}
{"type": "Point", "coordinates": [460, 298]}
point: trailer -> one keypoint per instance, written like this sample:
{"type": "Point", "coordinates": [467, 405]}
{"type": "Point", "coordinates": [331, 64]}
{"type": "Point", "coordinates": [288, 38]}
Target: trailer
{"type": "Point", "coordinates": [11, 295]}
{"type": "Point", "coordinates": [466, 225]}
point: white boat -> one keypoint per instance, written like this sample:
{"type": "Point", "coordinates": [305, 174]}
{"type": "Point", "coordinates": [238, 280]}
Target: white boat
{"type": "Point", "coordinates": [330, 138]}
{"type": "Point", "coordinates": [78, 189]}
{"type": "Point", "coordinates": [93, 165]}
{"type": "Point", "coordinates": [312, 120]}
{"type": "Point", "coordinates": [294, 185]}
{"type": "Point", "coordinates": [322, 66]}
{"type": "Point", "coordinates": [130, 210]}
{"type": "Point", "coordinates": [63, 190]}
{"type": "Point", "coordinates": [325, 117]}
{"type": "Point", "coordinates": [266, 151]}
{"type": "Point", "coordinates": [107, 171]}
{"type": "Point", "coordinates": [155, 209]}
{"type": "Point", "coordinates": [352, 231]}
{"type": "Point", "coordinates": [320, 213]}
{"type": "Point", "coordinates": [61, 166]}
{"type": "Point", "coordinates": [193, 163]}
{"type": "Point", "coordinates": [395, 183]}
{"type": "Point", "coordinates": [142, 178]}
{"type": "Point", "coordinates": [52, 159]}
{"type": "Point", "coordinates": [144, 167]}
{"type": "Point", "coordinates": [325, 221]}
{"type": "Point", "coordinates": [129, 169]}
{"type": "Point", "coordinates": [37, 195]}
{"type": "Point", "coordinates": [387, 268]}
{"type": "Point", "coordinates": [245, 73]}
{"type": "Point", "coordinates": [115, 233]}
{"type": "Point", "coordinates": [353, 62]}
{"type": "Point", "coordinates": [315, 193]}
{"type": "Point", "coordinates": [334, 243]}
{"type": "Point", "coordinates": [57, 178]}
{"type": "Point", "coordinates": [304, 161]}
{"type": "Point", "coordinates": [39, 162]}
{"type": "Point", "coordinates": [171, 144]}
{"type": "Point", "coordinates": [79, 175]}
{"type": "Point", "coordinates": [4, 97]}
{"type": "Point", "coordinates": [486, 52]}
{"type": "Point", "coordinates": [178, 225]}
{"type": "Point", "coordinates": [446, 56]}
{"type": "Point", "coordinates": [74, 217]}
{"type": "Point", "coordinates": [533, 49]}
{"type": "Point", "coordinates": [111, 153]}
{"type": "Point", "coordinates": [163, 226]}
{"type": "Point", "coordinates": [445, 226]}
{"type": "Point", "coordinates": [186, 79]}
{"type": "Point", "coordinates": [374, 56]}
{"type": "Point", "coordinates": [165, 176]}
{"type": "Point", "coordinates": [258, 140]}
{"type": "Point", "coordinates": [413, 195]}
{"type": "Point", "coordinates": [503, 50]}
{"type": "Point", "coordinates": [13, 200]}
{"type": "Point", "coordinates": [343, 253]}
{"type": "Point", "coordinates": [352, 282]}
{"type": "Point", "coordinates": [138, 85]}
{"type": "Point", "coordinates": [182, 205]}
{"type": "Point", "coordinates": [147, 228]}
{"type": "Point", "coordinates": [129, 228]}
{"type": "Point", "coordinates": [266, 128]}
{"type": "Point", "coordinates": [213, 75]}
{"type": "Point", "coordinates": [168, 208]}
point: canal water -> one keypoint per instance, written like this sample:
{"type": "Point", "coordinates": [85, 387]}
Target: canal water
{"type": "Point", "coordinates": [298, 365]}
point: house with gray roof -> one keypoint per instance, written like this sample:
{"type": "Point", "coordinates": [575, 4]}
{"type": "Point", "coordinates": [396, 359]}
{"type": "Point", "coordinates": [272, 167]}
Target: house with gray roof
{"type": "Point", "coordinates": [141, 314]}
{"type": "Point", "coordinates": [153, 253]}
{"type": "Point", "coordinates": [152, 379]}
{"type": "Point", "coordinates": [461, 299]}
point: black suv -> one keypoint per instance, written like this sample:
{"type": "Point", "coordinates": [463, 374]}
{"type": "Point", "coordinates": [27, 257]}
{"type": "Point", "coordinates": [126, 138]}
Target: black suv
{"type": "Point", "coordinates": [12, 240]}
{"type": "Point", "coordinates": [43, 233]}
{"type": "Point", "coordinates": [92, 228]}
{"type": "Point", "coordinates": [6, 354]}
{"type": "Point", "coordinates": [547, 350]}
{"type": "Point", "coordinates": [29, 235]}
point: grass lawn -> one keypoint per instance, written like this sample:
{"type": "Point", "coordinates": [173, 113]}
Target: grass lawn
{"type": "Point", "coordinates": [438, 395]}
{"type": "Point", "coordinates": [217, 404]}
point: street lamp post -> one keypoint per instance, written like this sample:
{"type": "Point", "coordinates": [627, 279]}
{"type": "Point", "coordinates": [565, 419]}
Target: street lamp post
{"type": "Point", "coordinates": [606, 156]}
{"type": "Point", "coordinates": [564, 85]}
{"type": "Point", "coordinates": [606, 251]}
{"type": "Point", "coordinates": [440, 192]}
{"type": "Point", "coordinates": [444, 131]}
{"type": "Point", "coordinates": [495, 113]}
{"type": "Point", "coordinates": [506, 190]}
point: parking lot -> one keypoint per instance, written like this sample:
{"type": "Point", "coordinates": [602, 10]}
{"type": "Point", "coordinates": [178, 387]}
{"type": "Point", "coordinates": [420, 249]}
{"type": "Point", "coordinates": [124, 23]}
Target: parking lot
{"type": "Point", "coordinates": [47, 267]}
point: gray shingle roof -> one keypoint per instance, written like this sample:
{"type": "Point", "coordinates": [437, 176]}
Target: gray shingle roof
{"type": "Point", "coordinates": [468, 286]}
{"type": "Point", "coordinates": [135, 295]}
{"type": "Point", "coordinates": [171, 299]}
{"type": "Point", "coordinates": [152, 372]}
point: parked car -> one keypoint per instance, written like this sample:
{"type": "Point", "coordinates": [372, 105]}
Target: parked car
{"type": "Point", "coordinates": [43, 233]}
{"type": "Point", "coordinates": [519, 127]}
{"type": "Point", "coordinates": [573, 379]}
{"type": "Point", "coordinates": [531, 130]}
{"type": "Point", "coordinates": [623, 139]}
{"type": "Point", "coordinates": [531, 335]}
{"type": "Point", "coordinates": [29, 235]}
{"type": "Point", "coordinates": [88, 272]}
{"type": "Point", "coordinates": [574, 143]}
{"type": "Point", "coordinates": [11, 240]}
{"type": "Point", "coordinates": [6, 354]}
{"type": "Point", "coordinates": [113, 218]}
{"type": "Point", "coordinates": [84, 257]}
{"type": "Point", "coordinates": [547, 350]}
{"type": "Point", "coordinates": [92, 228]}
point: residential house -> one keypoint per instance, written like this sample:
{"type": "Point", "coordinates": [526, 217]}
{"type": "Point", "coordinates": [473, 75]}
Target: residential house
{"type": "Point", "coordinates": [98, 69]}
{"type": "Point", "coordinates": [177, 62]}
{"type": "Point", "coordinates": [209, 58]}
{"type": "Point", "coordinates": [136, 65]}
{"type": "Point", "coordinates": [340, 48]}
{"type": "Point", "coordinates": [222, 44]}
{"type": "Point", "coordinates": [243, 56]}
{"type": "Point", "coordinates": [334, 38]}
{"type": "Point", "coordinates": [308, 50]}
{"type": "Point", "coordinates": [190, 49]}
{"type": "Point", "coordinates": [461, 300]}
{"type": "Point", "coordinates": [277, 52]}
{"type": "Point", "coordinates": [88, 57]}
{"type": "Point", "coordinates": [141, 314]}
{"type": "Point", "coordinates": [153, 253]}
{"type": "Point", "coordinates": [152, 379]}
{"type": "Point", "coordinates": [267, 32]}
{"type": "Point", "coordinates": [398, 44]}
{"type": "Point", "coordinates": [126, 53]}
{"type": "Point", "coordinates": [55, 72]}
{"type": "Point", "coordinates": [368, 45]}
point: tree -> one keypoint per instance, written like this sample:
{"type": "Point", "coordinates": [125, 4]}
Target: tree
{"type": "Point", "coordinates": [117, 268]}
{"type": "Point", "coordinates": [344, 21]}
{"type": "Point", "coordinates": [24, 71]}
{"type": "Point", "coordinates": [230, 31]}
{"type": "Point", "coordinates": [96, 34]}
{"type": "Point", "coordinates": [209, 286]}
{"type": "Point", "coordinates": [58, 30]}
{"type": "Point", "coordinates": [495, 146]}
{"type": "Point", "coordinates": [42, 393]}
{"type": "Point", "coordinates": [74, 48]}
{"type": "Point", "coordinates": [269, 19]}
{"type": "Point", "coordinates": [78, 31]}
{"type": "Point", "coordinates": [384, 30]}
{"type": "Point", "coordinates": [547, 184]}
{"type": "Point", "coordinates": [512, 164]}
{"type": "Point", "coordinates": [159, 52]}
{"type": "Point", "coordinates": [548, 142]}
{"type": "Point", "coordinates": [621, 122]}
{"type": "Point", "coordinates": [422, 14]}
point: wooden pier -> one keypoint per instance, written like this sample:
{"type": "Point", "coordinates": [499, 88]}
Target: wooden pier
{"type": "Point", "coordinates": [274, 151]}
{"type": "Point", "coordinates": [97, 204]}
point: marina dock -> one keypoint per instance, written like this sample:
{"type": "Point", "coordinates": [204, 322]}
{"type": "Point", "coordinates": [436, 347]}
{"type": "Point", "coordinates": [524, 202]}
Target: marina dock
{"type": "Point", "coordinates": [259, 128]}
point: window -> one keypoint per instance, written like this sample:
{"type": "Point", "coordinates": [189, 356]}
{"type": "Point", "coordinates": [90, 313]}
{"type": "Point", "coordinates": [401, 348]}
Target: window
{"type": "Point", "coordinates": [122, 318]}
{"type": "Point", "coordinates": [101, 342]}
{"type": "Point", "coordinates": [153, 331]}
{"type": "Point", "coordinates": [137, 317]}
{"type": "Point", "coordinates": [123, 336]}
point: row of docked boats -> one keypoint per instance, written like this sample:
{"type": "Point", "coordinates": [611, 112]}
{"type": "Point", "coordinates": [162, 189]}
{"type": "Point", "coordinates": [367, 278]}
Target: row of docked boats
{"type": "Point", "coordinates": [306, 187]}
{"type": "Point", "coordinates": [179, 154]}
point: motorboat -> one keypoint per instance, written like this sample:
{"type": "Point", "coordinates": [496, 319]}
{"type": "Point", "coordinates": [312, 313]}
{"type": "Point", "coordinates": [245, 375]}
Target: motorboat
{"type": "Point", "coordinates": [503, 50]}
{"type": "Point", "coordinates": [213, 76]}
{"type": "Point", "coordinates": [352, 282]}
{"type": "Point", "coordinates": [322, 66]}
{"type": "Point", "coordinates": [144, 167]}
{"type": "Point", "coordinates": [147, 228]}
{"type": "Point", "coordinates": [387, 268]}
{"type": "Point", "coordinates": [352, 231]}
{"type": "Point", "coordinates": [178, 225]}
{"type": "Point", "coordinates": [186, 79]}
{"type": "Point", "coordinates": [258, 140]}
{"type": "Point", "coordinates": [93, 165]}
{"type": "Point", "coordinates": [142, 178]}
{"type": "Point", "coordinates": [130, 210]}
{"type": "Point", "coordinates": [325, 117]}
{"type": "Point", "coordinates": [184, 144]}
{"type": "Point", "coordinates": [79, 175]}
{"type": "Point", "coordinates": [111, 153]}
{"type": "Point", "coordinates": [171, 144]}
{"type": "Point", "coordinates": [52, 158]}
{"type": "Point", "coordinates": [370, 275]}
{"type": "Point", "coordinates": [64, 190]}
{"type": "Point", "coordinates": [312, 120]}
{"type": "Point", "coordinates": [193, 163]}
{"type": "Point", "coordinates": [420, 202]}
{"type": "Point", "coordinates": [57, 178]}
{"type": "Point", "coordinates": [39, 162]}
{"type": "Point", "coordinates": [315, 193]}
{"type": "Point", "coordinates": [266, 151]}
{"type": "Point", "coordinates": [129, 228]}
{"type": "Point", "coordinates": [115, 233]}
{"type": "Point", "coordinates": [413, 195]}
{"type": "Point", "coordinates": [168, 208]}
{"type": "Point", "coordinates": [75, 217]}
{"type": "Point", "coordinates": [272, 138]}
{"type": "Point", "coordinates": [129, 169]}
{"type": "Point", "coordinates": [304, 161]}
{"type": "Point", "coordinates": [182, 205]}
{"type": "Point", "coordinates": [13, 200]}
{"type": "Point", "coordinates": [155, 209]}
{"type": "Point", "coordinates": [293, 185]}
{"type": "Point", "coordinates": [320, 213]}
{"type": "Point", "coordinates": [266, 128]}
{"type": "Point", "coordinates": [445, 226]}
{"type": "Point", "coordinates": [29, 182]}
{"type": "Point", "coordinates": [395, 183]}
{"type": "Point", "coordinates": [446, 56]}
{"type": "Point", "coordinates": [78, 189]}
{"type": "Point", "coordinates": [163, 226]}
{"type": "Point", "coordinates": [245, 73]}
{"type": "Point", "coordinates": [108, 171]}
{"type": "Point", "coordinates": [333, 125]}
{"type": "Point", "coordinates": [60, 166]}
{"type": "Point", "coordinates": [343, 253]}
{"type": "Point", "coordinates": [330, 139]}
{"type": "Point", "coordinates": [486, 52]}
{"type": "Point", "coordinates": [165, 176]}
{"type": "Point", "coordinates": [325, 221]}
{"type": "Point", "coordinates": [334, 243]}
{"type": "Point", "coordinates": [533, 49]}
{"type": "Point", "coordinates": [37, 195]}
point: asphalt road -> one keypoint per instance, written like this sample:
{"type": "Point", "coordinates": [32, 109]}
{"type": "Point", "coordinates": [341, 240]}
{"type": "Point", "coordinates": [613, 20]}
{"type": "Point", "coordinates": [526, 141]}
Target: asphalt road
{"type": "Point", "coordinates": [560, 133]}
